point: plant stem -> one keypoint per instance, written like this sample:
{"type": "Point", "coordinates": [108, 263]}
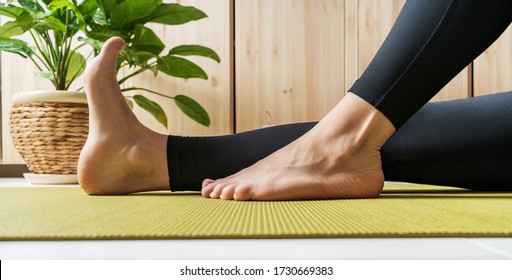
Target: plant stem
{"type": "Point", "coordinates": [148, 90]}
{"type": "Point", "coordinates": [142, 69]}
{"type": "Point", "coordinates": [50, 47]}
{"type": "Point", "coordinates": [37, 65]}
{"type": "Point", "coordinates": [53, 56]}
{"type": "Point", "coordinates": [46, 62]}
{"type": "Point", "coordinates": [64, 48]}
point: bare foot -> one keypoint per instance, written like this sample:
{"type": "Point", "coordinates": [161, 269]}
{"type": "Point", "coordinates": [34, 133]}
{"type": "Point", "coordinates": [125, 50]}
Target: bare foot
{"type": "Point", "coordinates": [338, 158]}
{"type": "Point", "coordinates": [121, 155]}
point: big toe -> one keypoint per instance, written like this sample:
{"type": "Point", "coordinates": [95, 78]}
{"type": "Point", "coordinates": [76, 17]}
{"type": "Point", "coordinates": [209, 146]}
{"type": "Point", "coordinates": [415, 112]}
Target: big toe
{"type": "Point", "coordinates": [104, 65]}
{"type": "Point", "coordinates": [111, 49]}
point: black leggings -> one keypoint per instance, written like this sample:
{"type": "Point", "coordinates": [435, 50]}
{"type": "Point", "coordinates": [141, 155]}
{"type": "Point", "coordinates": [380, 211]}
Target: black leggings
{"type": "Point", "coordinates": [464, 143]}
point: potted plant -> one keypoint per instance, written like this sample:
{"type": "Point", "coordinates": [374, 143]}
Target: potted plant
{"type": "Point", "coordinates": [60, 30]}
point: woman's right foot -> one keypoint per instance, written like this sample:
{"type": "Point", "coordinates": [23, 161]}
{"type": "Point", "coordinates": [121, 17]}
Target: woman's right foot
{"type": "Point", "coordinates": [120, 155]}
{"type": "Point", "coordinates": [338, 158]}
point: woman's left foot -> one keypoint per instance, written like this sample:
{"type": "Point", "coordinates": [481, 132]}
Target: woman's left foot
{"type": "Point", "coordinates": [120, 155]}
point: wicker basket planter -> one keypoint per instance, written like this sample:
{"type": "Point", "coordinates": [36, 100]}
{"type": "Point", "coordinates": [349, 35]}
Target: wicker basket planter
{"type": "Point", "coordinates": [49, 130]}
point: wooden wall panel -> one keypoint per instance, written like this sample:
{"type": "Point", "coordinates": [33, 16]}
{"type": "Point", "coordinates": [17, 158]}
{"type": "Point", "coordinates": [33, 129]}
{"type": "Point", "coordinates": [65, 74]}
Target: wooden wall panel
{"type": "Point", "coordinates": [493, 69]}
{"type": "Point", "coordinates": [214, 94]}
{"type": "Point", "coordinates": [289, 60]}
{"type": "Point", "coordinates": [351, 42]}
{"type": "Point", "coordinates": [376, 17]}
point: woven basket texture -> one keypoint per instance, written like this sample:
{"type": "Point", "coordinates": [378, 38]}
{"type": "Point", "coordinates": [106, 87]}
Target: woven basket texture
{"type": "Point", "coordinates": [50, 135]}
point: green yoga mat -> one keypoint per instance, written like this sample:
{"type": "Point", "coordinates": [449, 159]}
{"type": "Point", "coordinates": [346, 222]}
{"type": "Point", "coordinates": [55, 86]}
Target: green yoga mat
{"type": "Point", "coordinates": [401, 211]}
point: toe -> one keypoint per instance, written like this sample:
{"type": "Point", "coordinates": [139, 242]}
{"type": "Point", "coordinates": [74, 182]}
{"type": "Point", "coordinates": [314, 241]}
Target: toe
{"type": "Point", "coordinates": [206, 182]}
{"type": "Point", "coordinates": [103, 67]}
{"type": "Point", "coordinates": [112, 48]}
{"type": "Point", "coordinates": [242, 193]}
{"type": "Point", "coordinates": [208, 189]}
{"type": "Point", "coordinates": [228, 192]}
{"type": "Point", "coordinates": [217, 191]}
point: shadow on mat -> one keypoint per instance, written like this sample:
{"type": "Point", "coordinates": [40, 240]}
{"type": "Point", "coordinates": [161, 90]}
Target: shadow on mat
{"type": "Point", "coordinates": [158, 193]}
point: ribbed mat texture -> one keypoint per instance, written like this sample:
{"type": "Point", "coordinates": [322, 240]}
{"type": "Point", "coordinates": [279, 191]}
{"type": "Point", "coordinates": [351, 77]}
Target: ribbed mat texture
{"type": "Point", "coordinates": [401, 211]}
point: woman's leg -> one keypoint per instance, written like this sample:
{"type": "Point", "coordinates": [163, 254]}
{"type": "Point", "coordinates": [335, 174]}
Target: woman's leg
{"type": "Point", "coordinates": [429, 44]}
{"type": "Point", "coordinates": [462, 143]}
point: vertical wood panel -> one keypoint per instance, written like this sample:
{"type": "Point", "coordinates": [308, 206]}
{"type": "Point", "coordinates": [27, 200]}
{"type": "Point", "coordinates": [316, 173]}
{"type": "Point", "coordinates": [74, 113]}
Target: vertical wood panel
{"type": "Point", "coordinates": [289, 60]}
{"type": "Point", "coordinates": [214, 94]}
{"type": "Point", "coordinates": [376, 17]}
{"type": "Point", "coordinates": [351, 42]}
{"type": "Point", "coordinates": [493, 69]}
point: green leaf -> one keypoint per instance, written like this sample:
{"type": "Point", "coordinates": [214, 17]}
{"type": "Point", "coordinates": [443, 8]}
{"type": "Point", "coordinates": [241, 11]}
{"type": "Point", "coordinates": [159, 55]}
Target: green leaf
{"type": "Point", "coordinates": [46, 75]}
{"type": "Point", "coordinates": [192, 109]}
{"type": "Point", "coordinates": [186, 50]}
{"type": "Point", "coordinates": [106, 6]}
{"type": "Point", "coordinates": [152, 107]}
{"type": "Point", "coordinates": [11, 11]}
{"type": "Point", "coordinates": [88, 8]}
{"type": "Point", "coordinates": [104, 35]}
{"type": "Point", "coordinates": [96, 44]}
{"type": "Point", "coordinates": [40, 22]}
{"type": "Point", "coordinates": [75, 67]}
{"type": "Point", "coordinates": [139, 58]}
{"type": "Point", "coordinates": [174, 14]}
{"type": "Point", "coordinates": [99, 19]}
{"type": "Point", "coordinates": [128, 12]}
{"type": "Point", "coordinates": [10, 29]}
{"type": "Point", "coordinates": [15, 46]}
{"type": "Point", "coordinates": [146, 40]}
{"type": "Point", "coordinates": [68, 13]}
{"type": "Point", "coordinates": [31, 5]}
{"type": "Point", "coordinates": [180, 67]}
{"type": "Point", "coordinates": [59, 4]}
{"type": "Point", "coordinates": [27, 20]}
{"type": "Point", "coordinates": [52, 23]}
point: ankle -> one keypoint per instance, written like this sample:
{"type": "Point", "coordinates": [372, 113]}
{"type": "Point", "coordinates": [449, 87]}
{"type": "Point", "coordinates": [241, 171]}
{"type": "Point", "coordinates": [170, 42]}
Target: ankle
{"type": "Point", "coordinates": [354, 125]}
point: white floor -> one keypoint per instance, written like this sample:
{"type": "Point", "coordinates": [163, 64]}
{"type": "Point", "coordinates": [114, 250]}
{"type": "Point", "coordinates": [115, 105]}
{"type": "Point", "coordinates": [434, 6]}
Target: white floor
{"type": "Point", "coordinates": [260, 249]}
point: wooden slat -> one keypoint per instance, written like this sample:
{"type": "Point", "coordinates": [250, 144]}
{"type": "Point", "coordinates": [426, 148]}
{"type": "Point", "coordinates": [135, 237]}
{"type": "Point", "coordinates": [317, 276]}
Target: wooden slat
{"type": "Point", "coordinates": [493, 69]}
{"type": "Point", "coordinates": [351, 42]}
{"type": "Point", "coordinates": [289, 60]}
